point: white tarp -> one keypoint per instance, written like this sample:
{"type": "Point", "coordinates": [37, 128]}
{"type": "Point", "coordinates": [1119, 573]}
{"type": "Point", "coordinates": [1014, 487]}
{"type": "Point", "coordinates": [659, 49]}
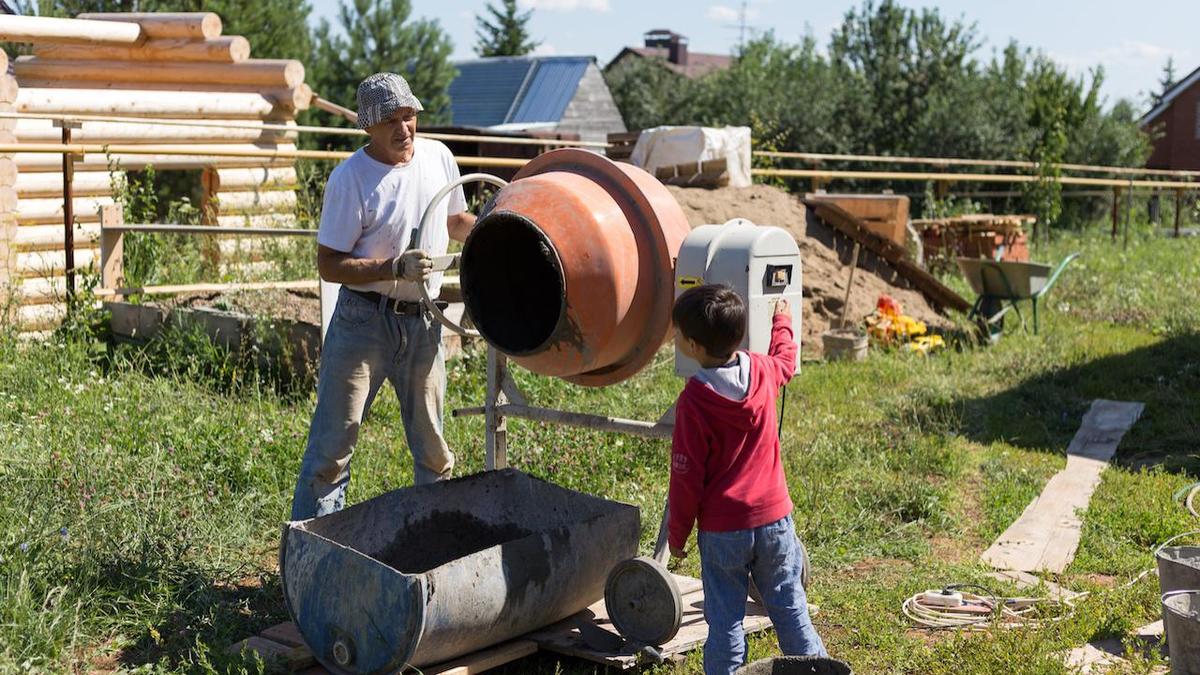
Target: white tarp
{"type": "Point", "coordinates": [672, 146]}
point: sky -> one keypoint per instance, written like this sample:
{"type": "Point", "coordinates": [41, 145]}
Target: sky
{"type": "Point", "coordinates": [1130, 39]}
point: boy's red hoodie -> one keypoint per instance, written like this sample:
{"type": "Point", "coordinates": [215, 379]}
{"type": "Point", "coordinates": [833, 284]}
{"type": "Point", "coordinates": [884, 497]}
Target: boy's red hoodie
{"type": "Point", "coordinates": [726, 471]}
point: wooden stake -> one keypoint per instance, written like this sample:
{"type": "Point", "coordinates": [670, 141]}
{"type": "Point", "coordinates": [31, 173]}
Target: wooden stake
{"type": "Point", "coordinates": [112, 247]}
{"type": "Point", "coordinates": [849, 285]}
{"type": "Point", "coordinates": [68, 164]}
{"type": "Point", "coordinates": [1178, 209]}
{"type": "Point", "coordinates": [1116, 203]}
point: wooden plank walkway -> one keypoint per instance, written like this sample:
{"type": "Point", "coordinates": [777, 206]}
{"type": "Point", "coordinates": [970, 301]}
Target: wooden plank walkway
{"type": "Point", "coordinates": [1046, 535]}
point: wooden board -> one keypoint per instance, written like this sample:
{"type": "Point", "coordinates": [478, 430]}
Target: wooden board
{"type": "Point", "coordinates": [564, 637]}
{"type": "Point", "coordinates": [895, 255]}
{"type": "Point", "coordinates": [1046, 535]}
{"type": "Point", "coordinates": [1026, 581]}
{"type": "Point", "coordinates": [283, 645]}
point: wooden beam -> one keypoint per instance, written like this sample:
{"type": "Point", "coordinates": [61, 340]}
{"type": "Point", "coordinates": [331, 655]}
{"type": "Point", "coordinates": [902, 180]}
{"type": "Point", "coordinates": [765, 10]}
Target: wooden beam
{"type": "Point", "coordinates": [83, 184]}
{"type": "Point", "coordinates": [244, 155]}
{"type": "Point", "coordinates": [333, 108]}
{"type": "Point", "coordinates": [145, 133]}
{"type": "Point", "coordinates": [169, 25]}
{"type": "Point", "coordinates": [146, 103]}
{"type": "Point", "coordinates": [54, 31]}
{"type": "Point", "coordinates": [286, 99]}
{"type": "Point", "coordinates": [279, 73]}
{"type": "Point", "coordinates": [232, 49]}
{"type": "Point", "coordinates": [934, 290]}
{"type": "Point", "coordinates": [923, 176]}
{"type": "Point", "coordinates": [257, 179]}
{"type": "Point", "coordinates": [179, 289]}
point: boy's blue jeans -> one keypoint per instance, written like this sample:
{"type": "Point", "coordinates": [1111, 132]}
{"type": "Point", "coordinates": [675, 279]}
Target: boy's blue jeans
{"type": "Point", "coordinates": [771, 554]}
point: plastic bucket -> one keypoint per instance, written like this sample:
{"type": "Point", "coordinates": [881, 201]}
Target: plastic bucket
{"type": "Point", "coordinates": [1181, 621]}
{"type": "Point", "coordinates": [844, 345]}
{"type": "Point", "coordinates": [797, 665]}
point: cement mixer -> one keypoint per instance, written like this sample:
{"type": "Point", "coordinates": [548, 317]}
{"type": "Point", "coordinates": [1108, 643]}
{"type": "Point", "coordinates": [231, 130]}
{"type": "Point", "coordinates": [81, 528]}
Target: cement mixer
{"type": "Point", "coordinates": [571, 271]}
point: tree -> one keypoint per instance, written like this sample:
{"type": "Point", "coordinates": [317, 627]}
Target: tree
{"type": "Point", "coordinates": [1165, 82]}
{"type": "Point", "coordinates": [901, 60]}
{"type": "Point", "coordinates": [380, 36]}
{"type": "Point", "coordinates": [506, 34]}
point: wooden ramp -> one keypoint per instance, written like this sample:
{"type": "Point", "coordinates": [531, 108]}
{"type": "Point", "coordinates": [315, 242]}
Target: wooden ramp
{"type": "Point", "coordinates": [1045, 537]}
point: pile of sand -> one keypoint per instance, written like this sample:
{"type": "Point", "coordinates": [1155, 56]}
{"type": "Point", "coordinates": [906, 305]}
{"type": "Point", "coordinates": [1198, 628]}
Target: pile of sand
{"type": "Point", "coordinates": [825, 257]}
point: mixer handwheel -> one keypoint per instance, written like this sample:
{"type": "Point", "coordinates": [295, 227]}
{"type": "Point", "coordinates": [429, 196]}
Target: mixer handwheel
{"type": "Point", "coordinates": [643, 601]}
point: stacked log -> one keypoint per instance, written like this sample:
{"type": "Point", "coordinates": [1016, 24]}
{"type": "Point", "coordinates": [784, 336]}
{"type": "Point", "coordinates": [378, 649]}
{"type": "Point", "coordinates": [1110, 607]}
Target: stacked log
{"type": "Point", "coordinates": [9, 278]}
{"type": "Point", "coordinates": [163, 71]}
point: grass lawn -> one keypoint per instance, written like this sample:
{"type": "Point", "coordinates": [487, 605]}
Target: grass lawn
{"type": "Point", "coordinates": [140, 512]}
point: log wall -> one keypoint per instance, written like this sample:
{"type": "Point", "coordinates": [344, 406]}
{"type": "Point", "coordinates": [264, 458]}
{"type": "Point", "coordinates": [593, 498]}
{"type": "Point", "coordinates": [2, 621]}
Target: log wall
{"type": "Point", "coordinates": [162, 66]}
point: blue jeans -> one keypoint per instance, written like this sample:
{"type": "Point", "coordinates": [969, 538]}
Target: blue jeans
{"type": "Point", "coordinates": [365, 345]}
{"type": "Point", "coordinates": [770, 554]}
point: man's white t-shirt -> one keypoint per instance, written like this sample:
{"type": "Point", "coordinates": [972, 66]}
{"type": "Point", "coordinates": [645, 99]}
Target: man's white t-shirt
{"type": "Point", "coordinates": [371, 210]}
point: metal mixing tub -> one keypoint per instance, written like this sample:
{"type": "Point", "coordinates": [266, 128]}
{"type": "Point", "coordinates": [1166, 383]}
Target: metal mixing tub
{"type": "Point", "coordinates": [423, 574]}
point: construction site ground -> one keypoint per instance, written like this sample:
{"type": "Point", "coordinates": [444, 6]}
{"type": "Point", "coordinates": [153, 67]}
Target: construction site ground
{"type": "Point", "coordinates": [143, 493]}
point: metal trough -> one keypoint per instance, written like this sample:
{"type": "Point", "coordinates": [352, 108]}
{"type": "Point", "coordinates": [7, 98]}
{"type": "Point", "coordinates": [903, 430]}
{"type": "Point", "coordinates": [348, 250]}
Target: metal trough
{"type": "Point", "coordinates": [424, 574]}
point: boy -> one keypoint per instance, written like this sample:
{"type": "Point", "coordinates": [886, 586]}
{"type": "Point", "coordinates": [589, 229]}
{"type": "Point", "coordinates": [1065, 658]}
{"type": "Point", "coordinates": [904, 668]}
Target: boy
{"type": "Point", "coordinates": [727, 473]}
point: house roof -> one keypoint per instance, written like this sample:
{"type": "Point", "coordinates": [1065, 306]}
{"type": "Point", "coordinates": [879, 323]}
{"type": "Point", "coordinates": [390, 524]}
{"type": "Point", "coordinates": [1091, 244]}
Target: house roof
{"type": "Point", "coordinates": [515, 89]}
{"type": "Point", "coordinates": [699, 63]}
{"type": "Point", "coordinates": [1169, 96]}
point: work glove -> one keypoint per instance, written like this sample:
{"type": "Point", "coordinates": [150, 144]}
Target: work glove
{"type": "Point", "coordinates": [414, 265]}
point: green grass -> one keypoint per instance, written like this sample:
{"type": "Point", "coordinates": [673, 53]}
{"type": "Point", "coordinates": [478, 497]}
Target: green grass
{"type": "Point", "coordinates": [142, 496]}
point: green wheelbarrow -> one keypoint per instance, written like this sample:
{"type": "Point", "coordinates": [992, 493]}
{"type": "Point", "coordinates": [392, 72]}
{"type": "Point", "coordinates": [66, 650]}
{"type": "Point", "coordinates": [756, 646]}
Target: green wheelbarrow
{"type": "Point", "coordinates": [1001, 284]}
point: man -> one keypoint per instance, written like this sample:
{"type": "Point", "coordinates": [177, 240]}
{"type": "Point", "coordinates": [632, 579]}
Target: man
{"type": "Point", "coordinates": [373, 203]}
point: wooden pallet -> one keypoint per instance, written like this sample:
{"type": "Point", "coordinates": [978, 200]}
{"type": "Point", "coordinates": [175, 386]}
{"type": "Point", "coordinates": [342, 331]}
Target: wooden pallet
{"type": "Point", "coordinates": [282, 644]}
{"type": "Point", "coordinates": [565, 638]}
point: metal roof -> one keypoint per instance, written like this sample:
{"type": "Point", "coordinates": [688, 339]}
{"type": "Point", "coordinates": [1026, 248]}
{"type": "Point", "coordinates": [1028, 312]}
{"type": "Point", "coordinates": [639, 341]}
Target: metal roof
{"type": "Point", "coordinates": [515, 89]}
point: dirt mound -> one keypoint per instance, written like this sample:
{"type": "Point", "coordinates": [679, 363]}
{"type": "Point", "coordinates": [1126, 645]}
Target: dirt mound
{"type": "Point", "coordinates": [824, 254]}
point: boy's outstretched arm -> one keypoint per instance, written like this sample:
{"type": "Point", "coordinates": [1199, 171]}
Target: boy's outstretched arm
{"type": "Point", "coordinates": [689, 454]}
{"type": "Point", "coordinates": [783, 344]}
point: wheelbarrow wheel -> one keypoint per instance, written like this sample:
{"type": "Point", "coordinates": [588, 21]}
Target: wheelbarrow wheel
{"type": "Point", "coordinates": [643, 601]}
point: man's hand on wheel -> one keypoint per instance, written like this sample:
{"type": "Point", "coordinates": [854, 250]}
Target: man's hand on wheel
{"type": "Point", "coordinates": [414, 265]}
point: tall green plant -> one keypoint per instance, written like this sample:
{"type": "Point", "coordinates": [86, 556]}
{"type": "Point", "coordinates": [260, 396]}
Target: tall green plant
{"type": "Point", "coordinates": [505, 32]}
